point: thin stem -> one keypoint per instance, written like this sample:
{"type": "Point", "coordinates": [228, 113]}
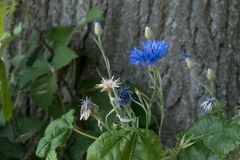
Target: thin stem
{"type": "Point", "coordinates": [84, 134]}
{"type": "Point", "coordinates": [104, 56]}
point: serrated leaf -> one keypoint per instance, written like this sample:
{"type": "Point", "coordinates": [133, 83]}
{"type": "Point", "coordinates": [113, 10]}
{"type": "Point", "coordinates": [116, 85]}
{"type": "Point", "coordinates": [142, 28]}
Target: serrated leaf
{"type": "Point", "coordinates": [43, 90]}
{"type": "Point", "coordinates": [60, 36]}
{"type": "Point", "coordinates": [5, 93]}
{"type": "Point", "coordinates": [219, 136]}
{"type": "Point", "coordinates": [94, 14]}
{"type": "Point", "coordinates": [129, 143]}
{"type": "Point", "coordinates": [56, 135]}
{"type": "Point", "coordinates": [62, 57]}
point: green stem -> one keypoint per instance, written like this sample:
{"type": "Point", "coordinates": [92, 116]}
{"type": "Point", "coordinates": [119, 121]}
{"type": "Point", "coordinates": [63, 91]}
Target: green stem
{"type": "Point", "coordinates": [84, 134]}
{"type": "Point", "coordinates": [104, 56]}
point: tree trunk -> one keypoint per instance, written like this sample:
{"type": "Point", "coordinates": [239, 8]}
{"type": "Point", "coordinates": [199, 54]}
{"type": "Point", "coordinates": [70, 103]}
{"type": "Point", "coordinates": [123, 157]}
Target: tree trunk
{"type": "Point", "coordinates": [207, 29]}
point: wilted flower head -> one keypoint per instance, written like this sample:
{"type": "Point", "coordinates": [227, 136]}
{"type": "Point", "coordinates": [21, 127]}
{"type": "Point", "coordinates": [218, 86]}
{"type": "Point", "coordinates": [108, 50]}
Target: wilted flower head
{"type": "Point", "coordinates": [124, 96]}
{"type": "Point", "coordinates": [150, 54]}
{"type": "Point", "coordinates": [208, 104]}
{"type": "Point", "coordinates": [108, 84]}
{"type": "Point", "coordinates": [87, 107]}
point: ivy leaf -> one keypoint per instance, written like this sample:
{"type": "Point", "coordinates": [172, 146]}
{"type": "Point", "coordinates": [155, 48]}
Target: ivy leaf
{"type": "Point", "coordinates": [5, 93]}
{"type": "Point", "coordinates": [94, 14]}
{"type": "Point", "coordinates": [43, 90]}
{"type": "Point", "coordinates": [129, 143]}
{"type": "Point", "coordinates": [40, 67]}
{"type": "Point", "coordinates": [56, 135]}
{"type": "Point", "coordinates": [62, 57]}
{"type": "Point", "coordinates": [60, 36]}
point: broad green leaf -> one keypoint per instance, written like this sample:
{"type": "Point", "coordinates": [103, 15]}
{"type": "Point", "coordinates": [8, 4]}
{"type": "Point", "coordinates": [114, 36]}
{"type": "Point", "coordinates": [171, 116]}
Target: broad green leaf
{"type": "Point", "coordinates": [62, 57]}
{"type": "Point", "coordinates": [94, 14]}
{"type": "Point", "coordinates": [10, 150]}
{"type": "Point", "coordinates": [60, 36]}
{"type": "Point", "coordinates": [43, 90]}
{"type": "Point", "coordinates": [5, 93]}
{"type": "Point", "coordinates": [40, 67]}
{"type": "Point", "coordinates": [129, 143]}
{"type": "Point", "coordinates": [219, 136]}
{"type": "Point", "coordinates": [56, 135]}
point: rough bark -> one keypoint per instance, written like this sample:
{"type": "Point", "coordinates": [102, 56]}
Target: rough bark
{"type": "Point", "coordinates": [208, 29]}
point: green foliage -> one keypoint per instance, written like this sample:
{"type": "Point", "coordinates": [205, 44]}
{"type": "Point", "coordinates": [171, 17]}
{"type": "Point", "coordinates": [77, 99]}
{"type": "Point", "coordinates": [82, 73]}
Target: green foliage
{"type": "Point", "coordinates": [43, 90]}
{"type": "Point", "coordinates": [60, 36]}
{"type": "Point", "coordinates": [56, 135]}
{"type": "Point", "coordinates": [62, 57]}
{"type": "Point", "coordinates": [94, 14]}
{"type": "Point", "coordinates": [214, 137]}
{"type": "Point", "coordinates": [5, 93]}
{"type": "Point", "coordinates": [129, 143]}
{"type": "Point", "coordinates": [10, 151]}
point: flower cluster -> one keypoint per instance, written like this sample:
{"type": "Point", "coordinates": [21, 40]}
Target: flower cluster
{"type": "Point", "coordinates": [150, 54]}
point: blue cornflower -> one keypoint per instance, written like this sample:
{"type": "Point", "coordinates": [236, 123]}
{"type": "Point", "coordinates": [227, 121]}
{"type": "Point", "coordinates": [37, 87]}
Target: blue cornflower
{"type": "Point", "coordinates": [124, 96]}
{"type": "Point", "coordinates": [185, 55]}
{"type": "Point", "coordinates": [150, 54]}
{"type": "Point", "coordinates": [208, 104]}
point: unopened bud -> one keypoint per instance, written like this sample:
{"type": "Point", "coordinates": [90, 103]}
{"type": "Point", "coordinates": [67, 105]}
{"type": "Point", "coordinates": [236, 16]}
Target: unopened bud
{"type": "Point", "coordinates": [210, 75]}
{"type": "Point", "coordinates": [98, 29]}
{"type": "Point", "coordinates": [148, 33]}
{"type": "Point", "coordinates": [189, 63]}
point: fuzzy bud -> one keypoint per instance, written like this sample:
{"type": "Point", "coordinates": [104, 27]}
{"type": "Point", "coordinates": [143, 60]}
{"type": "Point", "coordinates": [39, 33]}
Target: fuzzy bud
{"type": "Point", "coordinates": [210, 75]}
{"type": "Point", "coordinates": [98, 29]}
{"type": "Point", "coordinates": [189, 63]}
{"type": "Point", "coordinates": [148, 33]}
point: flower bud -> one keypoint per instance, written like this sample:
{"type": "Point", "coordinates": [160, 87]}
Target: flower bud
{"type": "Point", "coordinates": [189, 63]}
{"type": "Point", "coordinates": [98, 29]}
{"type": "Point", "coordinates": [210, 75]}
{"type": "Point", "coordinates": [148, 33]}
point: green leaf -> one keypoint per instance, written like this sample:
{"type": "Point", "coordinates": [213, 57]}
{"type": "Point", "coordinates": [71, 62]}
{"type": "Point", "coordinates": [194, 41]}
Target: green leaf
{"type": "Point", "coordinates": [62, 57]}
{"type": "Point", "coordinates": [5, 93]}
{"type": "Point", "coordinates": [94, 14]}
{"type": "Point", "coordinates": [11, 150]}
{"type": "Point", "coordinates": [129, 143]}
{"type": "Point", "coordinates": [60, 36]}
{"type": "Point", "coordinates": [27, 127]}
{"type": "Point", "coordinates": [219, 136]}
{"type": "Point", "coordinates": [40, 67]}
{"type": "Point", "coordinates": [79, 148]}
{"type": "Point", "coordinates": [56, 135]}
{"type": "Point", "coordinates": [43, 90]}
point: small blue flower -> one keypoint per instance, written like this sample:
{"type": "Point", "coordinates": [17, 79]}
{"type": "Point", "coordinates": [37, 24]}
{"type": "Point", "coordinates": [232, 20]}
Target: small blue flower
{"type": "Point", "coordinates": [150, 54]}
{"type": "Point", "coordinates": [124, 96]}
{"type": "Point", "coordinates": [185, 55]}
{"type": "Point", "coordinates": [208, 104]}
